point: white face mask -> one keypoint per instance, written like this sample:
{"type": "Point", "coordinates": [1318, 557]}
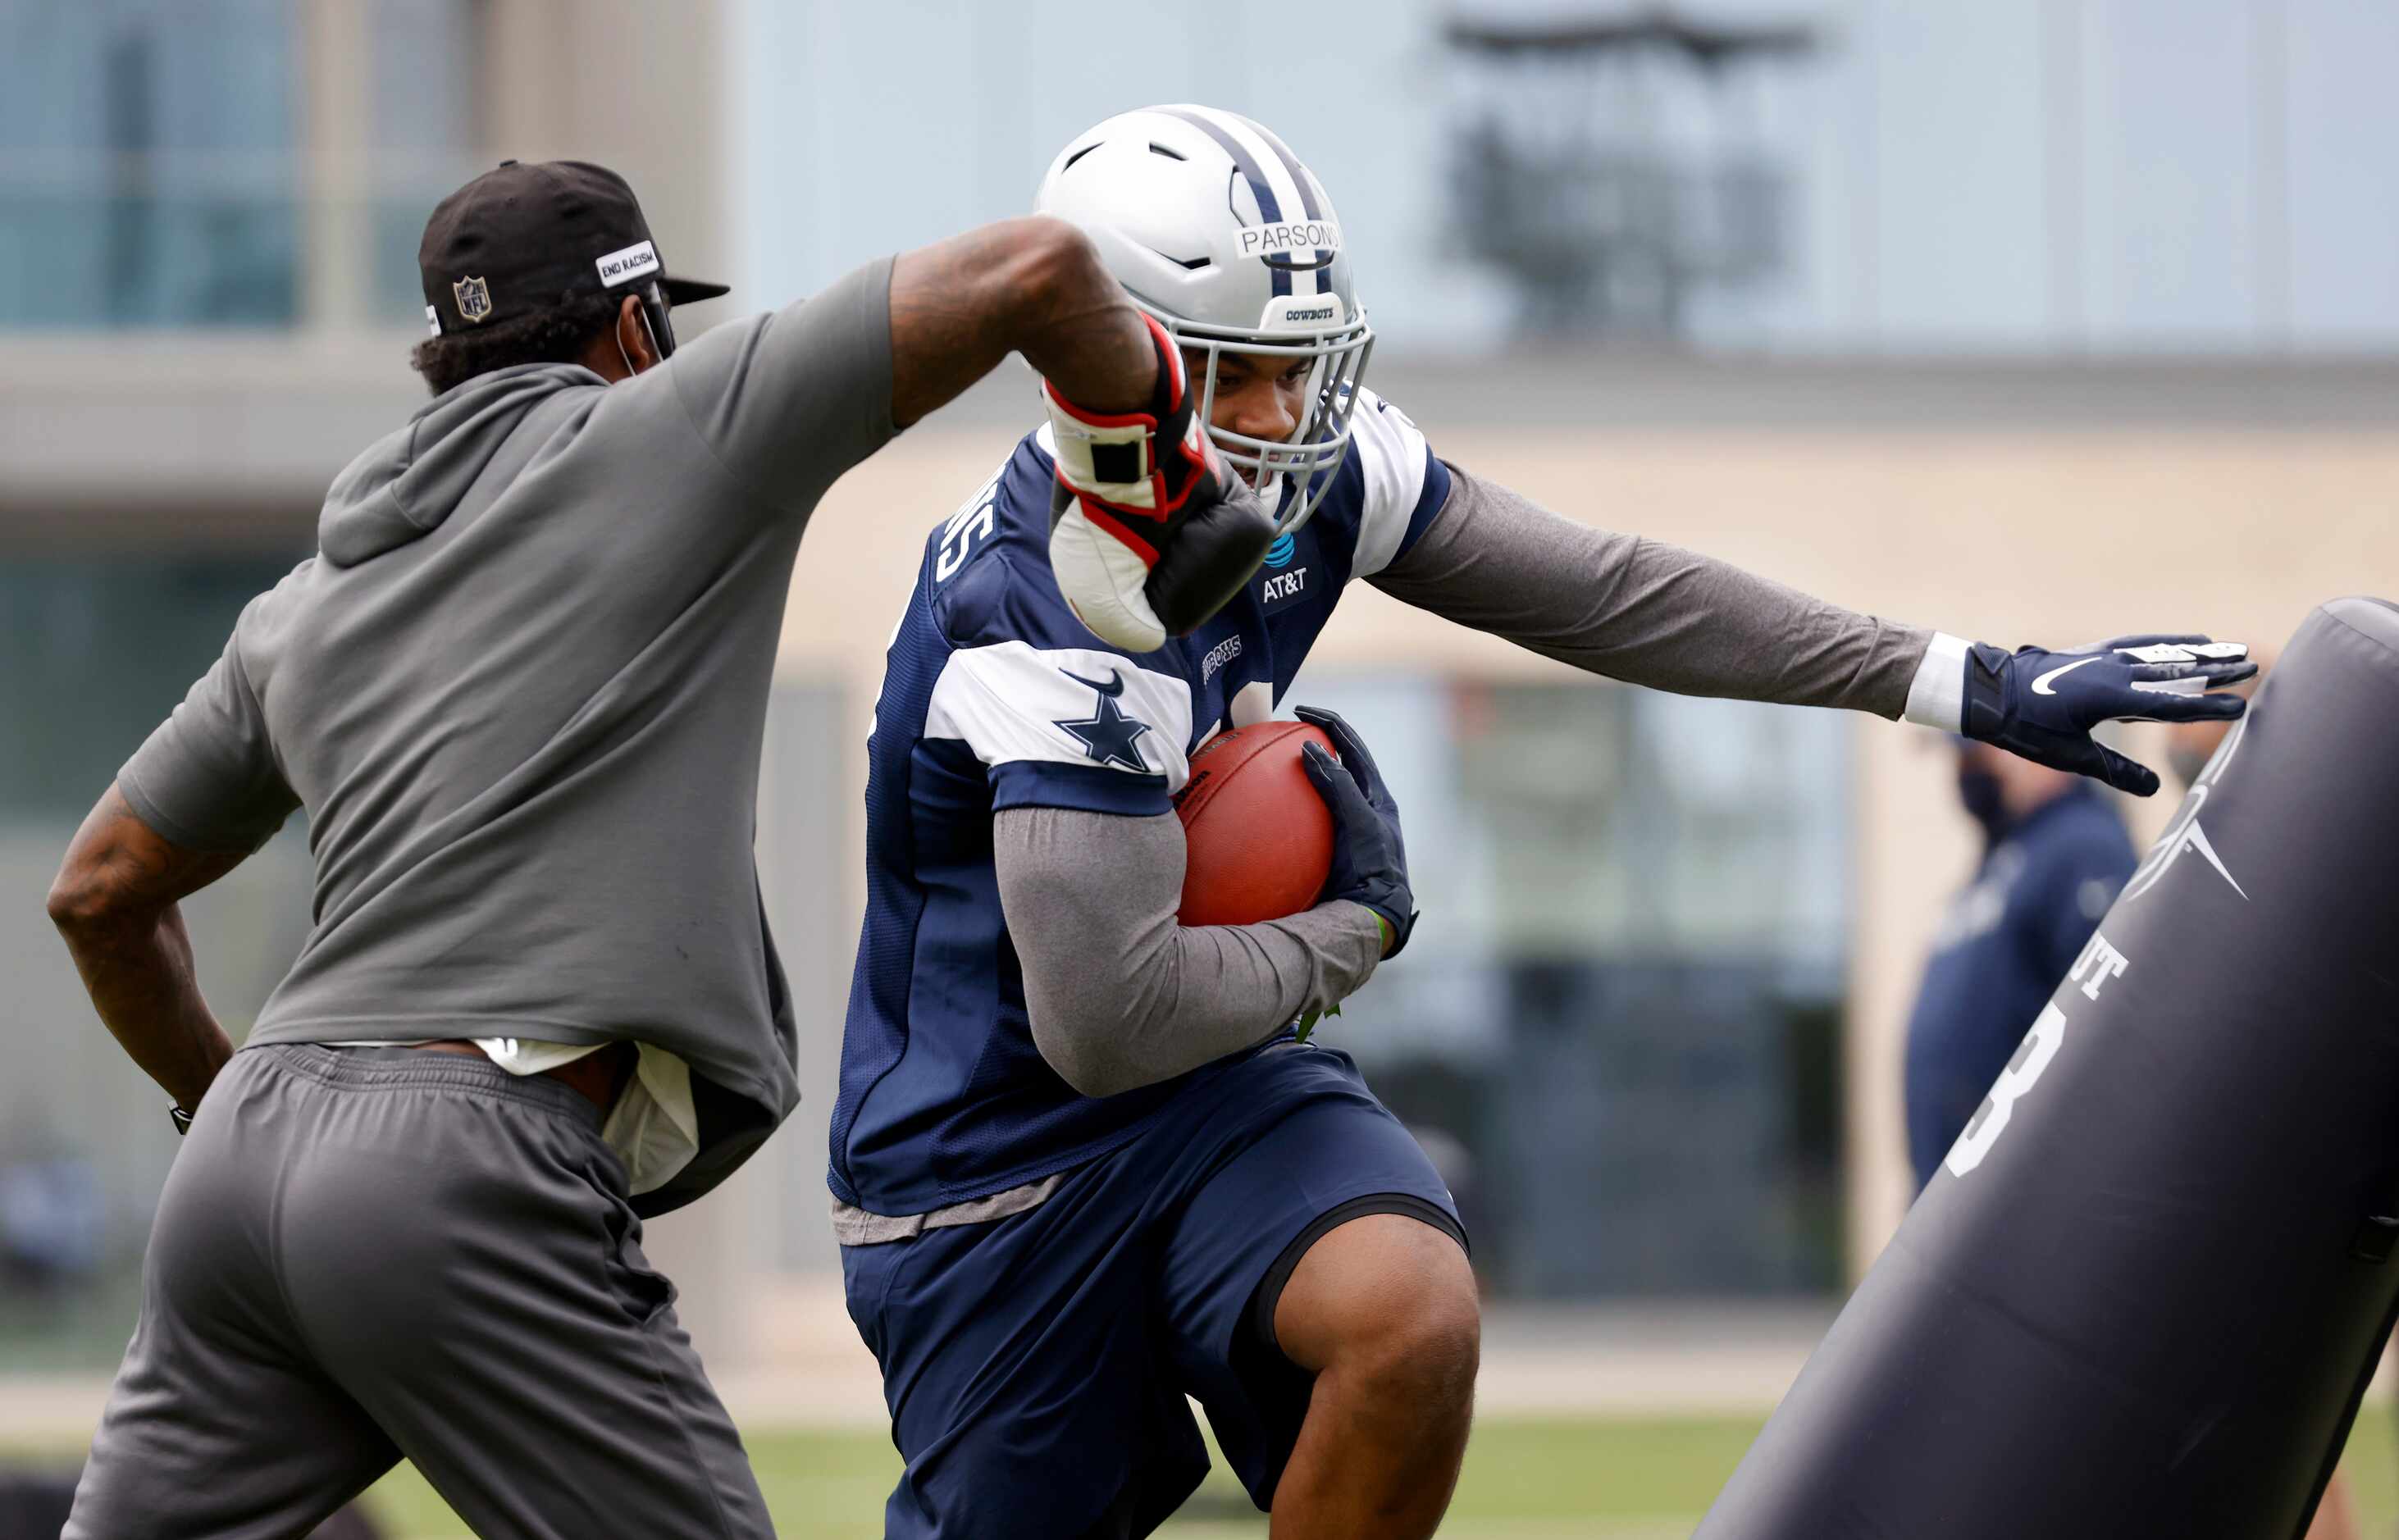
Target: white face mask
{"type": "Point", "coordinates": [1318, 441]}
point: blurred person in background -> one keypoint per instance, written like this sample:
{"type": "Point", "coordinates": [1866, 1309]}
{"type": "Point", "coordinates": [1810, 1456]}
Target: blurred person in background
{"type": "Point", "coordinates": [2054, 856]}
{"type": "Point", "coordinates": [1083, 1172]}
{"type": "Point", "coordinates": [52, 1220]}
{"type": "Point", "coordinates": [521, 692]}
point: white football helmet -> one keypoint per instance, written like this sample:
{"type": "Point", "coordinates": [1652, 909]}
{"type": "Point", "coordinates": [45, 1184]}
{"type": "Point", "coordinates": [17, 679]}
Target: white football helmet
{"type": "Point", "coordinates": [1216, 228]}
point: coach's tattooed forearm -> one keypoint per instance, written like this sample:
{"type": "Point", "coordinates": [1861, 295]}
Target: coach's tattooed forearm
{"type": "Point", "coordinates": [114, 901]}
{"type": "Point", "coordinates": [1033, 286]}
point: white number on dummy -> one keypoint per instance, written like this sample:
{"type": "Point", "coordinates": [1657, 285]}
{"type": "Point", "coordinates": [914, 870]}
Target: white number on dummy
{"type": "Point", "coordinates": [1990, 1119]}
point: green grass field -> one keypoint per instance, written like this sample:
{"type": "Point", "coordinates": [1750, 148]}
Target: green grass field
{"type": "Point", "coordinates": [1566, 1478]}
{"type": "Point", "coordinates": [1524, 1480]}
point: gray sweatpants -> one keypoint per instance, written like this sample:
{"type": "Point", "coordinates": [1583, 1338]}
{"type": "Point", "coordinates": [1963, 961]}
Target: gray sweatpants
{"type": "Point", "coordinates": [365, 1253]}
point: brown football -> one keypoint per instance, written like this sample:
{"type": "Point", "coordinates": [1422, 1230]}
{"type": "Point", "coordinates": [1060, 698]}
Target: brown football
{"type": "Point", "coordinates": [1259, 836]}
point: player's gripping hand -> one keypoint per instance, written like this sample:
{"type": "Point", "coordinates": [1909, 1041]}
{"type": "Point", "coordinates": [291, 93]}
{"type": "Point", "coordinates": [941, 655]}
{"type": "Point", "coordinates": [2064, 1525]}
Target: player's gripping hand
{"type": "Point", "coordinates": [1370, 863]}
{"type": "Point", "coordinates": [1150, 533]}
{"type": "Point", "coordinates": [2042, 705]}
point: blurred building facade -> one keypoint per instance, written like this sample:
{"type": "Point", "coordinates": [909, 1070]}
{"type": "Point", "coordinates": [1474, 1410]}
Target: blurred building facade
{"type": "Point", "coordinates": [208, 217]}
{"type": "Point", "coordinates": [1651, 1023]}
{"type": "Point", "coordinates": [1956, 176]}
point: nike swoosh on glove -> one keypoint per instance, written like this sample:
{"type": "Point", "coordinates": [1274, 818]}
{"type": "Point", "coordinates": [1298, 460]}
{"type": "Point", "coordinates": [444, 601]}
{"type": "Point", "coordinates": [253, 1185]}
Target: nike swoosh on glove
{"type": "Point", "coordinates": [1370, 862]}
{"type": "Point", "coordinates": [1149, 533]}
{"type": "Point", "coordinates": [2043, 704]}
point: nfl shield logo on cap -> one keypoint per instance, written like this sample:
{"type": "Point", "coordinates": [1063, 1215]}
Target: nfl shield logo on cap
{"type": "Point", "coordinates": [474, 300]}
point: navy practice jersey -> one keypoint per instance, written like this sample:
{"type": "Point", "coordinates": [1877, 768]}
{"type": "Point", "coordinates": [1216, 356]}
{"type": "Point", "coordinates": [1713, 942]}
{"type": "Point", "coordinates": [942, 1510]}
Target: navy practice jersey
{"type": "Point", "coordinates": [995, 695]}
{"type": "Point", "coordinates": [2006, 942]}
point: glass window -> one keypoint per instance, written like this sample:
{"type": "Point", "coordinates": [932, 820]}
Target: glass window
{"type": "Point", "coordinates": [152, 158]}
{"type": "Point", "coordinates": [147, 177]}
{"type": "Point", "coordinates": [1616, 1028]}
{"type": "Point", "coordinates": [95, 650]}
{"type": "Point", "coordinates": [423, 64]}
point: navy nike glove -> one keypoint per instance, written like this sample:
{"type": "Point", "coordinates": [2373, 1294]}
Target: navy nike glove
{"type": "Point", "coordinates": [1370, 864]}
{"type": "Point", "coordinates": [2042, 703]}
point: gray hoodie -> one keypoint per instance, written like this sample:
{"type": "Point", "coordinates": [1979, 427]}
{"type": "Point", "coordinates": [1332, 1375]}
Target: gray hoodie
{"type": "Point", "coordinates": [521, 691]}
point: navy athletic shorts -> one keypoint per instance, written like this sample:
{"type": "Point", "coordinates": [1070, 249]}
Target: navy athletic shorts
{"type": "Point", "coordinates": [1037, 1366]}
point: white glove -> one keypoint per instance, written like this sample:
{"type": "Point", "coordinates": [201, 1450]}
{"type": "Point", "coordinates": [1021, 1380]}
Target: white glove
{"type": "Point", "coordinates": [1149, 534]}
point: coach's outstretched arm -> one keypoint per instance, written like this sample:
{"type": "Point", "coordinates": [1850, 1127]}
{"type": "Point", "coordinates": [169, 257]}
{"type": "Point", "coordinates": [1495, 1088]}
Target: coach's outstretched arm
{"type": "Point", "coordinates": [1150, 535]}
{"type": "Point", "coordinates": [1652, 613]}
{"type": "Point", "coordinates": [789, 400]}
{"type": "Point", "coordinates": [1033, 286]}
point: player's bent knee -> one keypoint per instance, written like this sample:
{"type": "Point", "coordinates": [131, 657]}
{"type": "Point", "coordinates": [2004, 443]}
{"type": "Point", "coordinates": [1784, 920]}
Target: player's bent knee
{"type": "Point", "coordinates": [1431, 1351]}
{"type": "Point", "coordinates": [1387, 1300]}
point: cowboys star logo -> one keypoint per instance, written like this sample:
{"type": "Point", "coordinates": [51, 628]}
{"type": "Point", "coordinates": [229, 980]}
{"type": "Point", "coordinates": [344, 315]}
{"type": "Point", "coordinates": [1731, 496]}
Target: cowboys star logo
{"type": "Point", "coordinates": [474, 300]}
{"type": "Point", "coordinates": [1107, 735]}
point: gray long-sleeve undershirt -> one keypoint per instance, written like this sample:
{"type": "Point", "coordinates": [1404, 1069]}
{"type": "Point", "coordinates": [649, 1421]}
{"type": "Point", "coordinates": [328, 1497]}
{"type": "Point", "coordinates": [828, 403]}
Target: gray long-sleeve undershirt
{"type": "Point", "coordinates": [1121, 996]}
{"type": "Point", "coordinates": [1643, 611]}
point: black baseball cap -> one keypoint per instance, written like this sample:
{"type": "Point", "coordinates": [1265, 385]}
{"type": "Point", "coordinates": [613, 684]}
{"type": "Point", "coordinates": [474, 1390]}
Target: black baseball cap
{"type": "Point", "coordinates": [524, 237]}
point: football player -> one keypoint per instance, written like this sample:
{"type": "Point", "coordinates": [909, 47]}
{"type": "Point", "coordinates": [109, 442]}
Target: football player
{"type": "Point", "coordinates": [1082, 1166]}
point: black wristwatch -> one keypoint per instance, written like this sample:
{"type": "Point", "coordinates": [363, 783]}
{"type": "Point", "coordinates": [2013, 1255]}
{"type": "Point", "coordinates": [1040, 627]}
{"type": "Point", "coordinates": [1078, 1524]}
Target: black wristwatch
{"type": "Point", "coordinates": [182, 1119]}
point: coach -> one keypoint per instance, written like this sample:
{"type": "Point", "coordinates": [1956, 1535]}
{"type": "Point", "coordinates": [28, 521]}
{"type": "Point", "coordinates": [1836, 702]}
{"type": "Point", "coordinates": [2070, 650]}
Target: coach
{"type": "Point", "coordinates": [519, 691]}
